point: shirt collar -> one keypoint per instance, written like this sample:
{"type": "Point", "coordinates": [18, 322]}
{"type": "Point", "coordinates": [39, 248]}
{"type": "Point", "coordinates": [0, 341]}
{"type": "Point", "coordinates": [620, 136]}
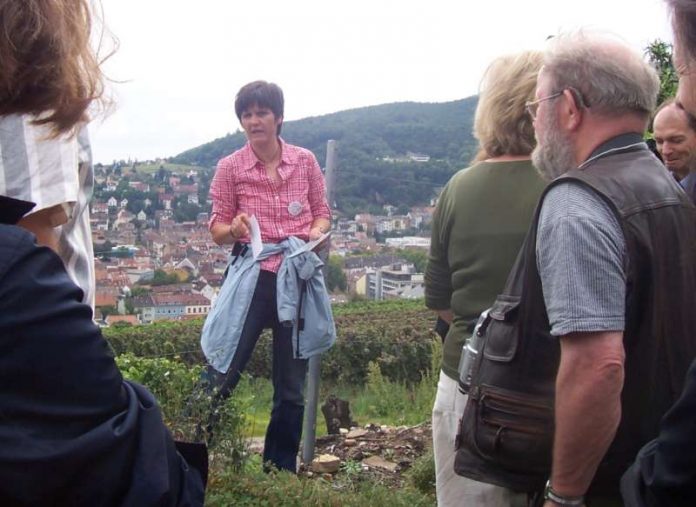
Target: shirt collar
{"type": "Point", "coordinates": [288, 155]}
{"type": "Point", "coordinates": [617, 142]}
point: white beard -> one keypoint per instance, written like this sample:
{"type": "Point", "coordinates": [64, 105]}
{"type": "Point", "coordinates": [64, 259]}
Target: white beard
{"type": "Point", "coordinates": [553, 155]}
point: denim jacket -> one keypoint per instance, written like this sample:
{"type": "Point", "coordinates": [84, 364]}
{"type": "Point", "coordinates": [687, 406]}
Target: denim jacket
{"type": "Point", "coordinates": [299, 275]}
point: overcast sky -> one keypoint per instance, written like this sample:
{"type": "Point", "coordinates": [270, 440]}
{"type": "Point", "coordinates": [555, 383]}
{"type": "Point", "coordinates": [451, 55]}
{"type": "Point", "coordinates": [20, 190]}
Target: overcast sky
{"type": "Point", "coordinates": [180, 62]}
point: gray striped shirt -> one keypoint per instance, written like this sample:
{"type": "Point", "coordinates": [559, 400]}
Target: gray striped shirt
{"type": "Point", "coordinates": [52, 171]}
{"type": "Point", "coordinates": [582, 259]}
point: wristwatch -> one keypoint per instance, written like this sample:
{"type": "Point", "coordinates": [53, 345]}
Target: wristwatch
{"type": "Point", "coordinates": [564, 501]}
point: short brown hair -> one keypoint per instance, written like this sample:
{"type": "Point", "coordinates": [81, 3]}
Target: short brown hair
{"type": "Point", "coordinates": [502, 125]}
{"type": "Point", "coordinates": [47, 65]}
{"type": "Point", "coordinates": [261, 94]}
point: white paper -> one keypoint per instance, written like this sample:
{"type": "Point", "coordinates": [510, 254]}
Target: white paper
{"type": "Point", "coordinates": [255, 235]}
{"type": "Point", "coordinates": [311, 245]}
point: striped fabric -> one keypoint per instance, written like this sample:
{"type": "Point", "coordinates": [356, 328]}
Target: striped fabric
{"type": "Point", "coordinates": [582, 261]}
{"type": "Point", "coordinates": [52, 171]}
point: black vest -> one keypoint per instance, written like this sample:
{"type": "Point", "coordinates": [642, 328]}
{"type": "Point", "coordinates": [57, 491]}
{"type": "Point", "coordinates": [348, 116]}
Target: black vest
{"type": "Point", "coordinates": [507, 429]}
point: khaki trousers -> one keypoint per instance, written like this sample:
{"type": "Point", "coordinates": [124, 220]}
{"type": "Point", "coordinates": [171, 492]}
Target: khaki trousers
{"type": "Point", "coordinates": [452, 489]}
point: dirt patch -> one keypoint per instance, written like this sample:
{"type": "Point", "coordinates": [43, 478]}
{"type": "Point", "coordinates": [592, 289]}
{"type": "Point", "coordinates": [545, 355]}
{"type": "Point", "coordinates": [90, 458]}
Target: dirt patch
{"type": "Point", "coordinates": [377, 453]}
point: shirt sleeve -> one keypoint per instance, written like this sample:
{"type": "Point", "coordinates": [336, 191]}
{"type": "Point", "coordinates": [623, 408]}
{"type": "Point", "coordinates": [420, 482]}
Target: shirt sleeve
{"type": "Point", "coordinates": [581, 257]}
{"type": "Point", "coordinates": [317, 191]}
{"type": "Point", "coordinates": [36, 166]}
{"type": "Point", "coordinates": [438, 282]}
{"type": "Point", "coordinates": [222, 194]}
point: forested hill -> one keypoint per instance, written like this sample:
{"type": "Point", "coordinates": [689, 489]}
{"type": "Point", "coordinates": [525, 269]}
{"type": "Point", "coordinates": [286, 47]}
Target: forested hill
{"type": "Point", "coordinates": [373, 144]}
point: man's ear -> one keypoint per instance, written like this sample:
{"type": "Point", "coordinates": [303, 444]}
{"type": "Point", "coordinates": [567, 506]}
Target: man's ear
{"type": "Point", "coordinates": [571, 112]}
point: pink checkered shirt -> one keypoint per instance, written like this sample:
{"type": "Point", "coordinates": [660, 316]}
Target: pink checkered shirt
{"type": "Point", "coordinates": [284, 208]}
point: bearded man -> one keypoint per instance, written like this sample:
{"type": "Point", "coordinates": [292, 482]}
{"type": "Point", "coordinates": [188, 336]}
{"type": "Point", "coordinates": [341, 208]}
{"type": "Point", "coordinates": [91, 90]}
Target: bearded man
{"type": "Point", "coordinates": [611, 228]}
{"type": "Point", "coordinates": [606, 318]}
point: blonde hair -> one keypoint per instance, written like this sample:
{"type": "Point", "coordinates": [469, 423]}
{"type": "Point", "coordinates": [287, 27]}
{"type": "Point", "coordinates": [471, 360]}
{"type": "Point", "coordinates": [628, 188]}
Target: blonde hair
{"type": "Point", "coordinates": [502, 125]}
{"type": "Point", "coordinates": [47, 65]}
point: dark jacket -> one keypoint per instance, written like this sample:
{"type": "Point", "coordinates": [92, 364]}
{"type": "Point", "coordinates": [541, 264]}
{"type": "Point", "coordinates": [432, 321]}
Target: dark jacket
{"type": "Point", "coordinates": [72, 431]}
{"type": "Point", "coordinates": [659, 226]}
{"type": "Point", "coordinates": [664, 473]}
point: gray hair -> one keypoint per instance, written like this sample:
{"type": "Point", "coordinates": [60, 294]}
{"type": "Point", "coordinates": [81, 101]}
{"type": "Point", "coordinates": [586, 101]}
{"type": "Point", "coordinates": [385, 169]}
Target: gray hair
{"type": "Point", "coordinates": [603, 73]}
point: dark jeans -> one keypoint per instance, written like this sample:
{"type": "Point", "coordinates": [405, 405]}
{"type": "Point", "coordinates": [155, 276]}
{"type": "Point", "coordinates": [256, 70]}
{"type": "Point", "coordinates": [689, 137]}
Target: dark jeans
{"type": "Point", "coordinates": [285, 427]}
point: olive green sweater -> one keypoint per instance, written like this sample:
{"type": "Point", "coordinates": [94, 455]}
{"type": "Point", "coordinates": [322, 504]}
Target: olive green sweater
{"type": "Point", "coordinates": [479, 225]}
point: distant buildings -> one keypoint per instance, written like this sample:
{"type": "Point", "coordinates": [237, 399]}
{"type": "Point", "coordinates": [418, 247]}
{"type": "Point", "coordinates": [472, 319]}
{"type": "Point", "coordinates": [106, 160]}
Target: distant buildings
{"type": "Point", "coordinates": [146, 224]}
{"type": "Point", "coordinates": [400, 281]}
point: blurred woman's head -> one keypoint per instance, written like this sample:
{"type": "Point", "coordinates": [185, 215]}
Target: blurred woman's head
{"type": "Point", "coordinates": [502, 125]}
{"type": "Point", "coordinates": [47, 65]}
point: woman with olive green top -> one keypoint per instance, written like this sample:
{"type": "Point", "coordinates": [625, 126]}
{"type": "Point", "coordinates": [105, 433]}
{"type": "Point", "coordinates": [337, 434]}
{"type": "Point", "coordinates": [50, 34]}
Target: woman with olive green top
{"type": "Point", "coordinates": [479, 225]}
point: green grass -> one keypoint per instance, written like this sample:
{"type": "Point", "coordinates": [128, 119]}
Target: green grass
{"type": "Point", "coordinates": [254, 488]}
{"type": "Point", "coordinates": [382, 402]}
{"type": "Point", "coordinates": [378, 401]}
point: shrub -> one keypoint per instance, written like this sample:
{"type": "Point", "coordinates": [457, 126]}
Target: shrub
{"type": "Point", "coordinates": [185, 405]}
{"type": "Point", "coordinates": [397, 335]}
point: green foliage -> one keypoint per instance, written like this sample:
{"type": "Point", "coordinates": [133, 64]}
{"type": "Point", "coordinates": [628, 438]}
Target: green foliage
{"type": "Point", "coordinates": [255, 488]}
{"type": "Point", "coordinates": [186, 212]}
{"type": "Point", "coordinates": [139, 291]}
{"type": "Point", "coordinates": [171, 381]}
{"type": "Point", "coordinates": [365, 137]}
{"type": "Point", "coordinates": [396, 402]}
{"type": "Point", "coordinates": [161, 169]}
{"type": "Point", "coordinates": [335, 277]}
{"type": "Point", "coordinates": [180, 338]}
{"type": "Point", "coordinates": [659, 54]}
{"type": "Point", "coordinates": [163, 278]}
{"type": "Point", "coordinates": [395, 334]}
{"type": "Point", "coordinates": [184, 403]}
{"type": "Point", "coordinates": [422, 474]}
{"type": "Point", "coordinates": [418, 256]}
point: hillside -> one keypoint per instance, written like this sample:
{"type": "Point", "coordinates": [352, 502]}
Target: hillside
{"type": "Point", "coordinates": [365, 137]}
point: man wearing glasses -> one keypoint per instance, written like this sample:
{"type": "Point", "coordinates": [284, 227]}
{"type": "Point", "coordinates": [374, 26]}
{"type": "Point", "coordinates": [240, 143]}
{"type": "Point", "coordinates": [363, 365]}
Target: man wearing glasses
{"type": "Point", "coordinates": [607, 234]}
{"type": "Point", "coordinates": [602, 298]}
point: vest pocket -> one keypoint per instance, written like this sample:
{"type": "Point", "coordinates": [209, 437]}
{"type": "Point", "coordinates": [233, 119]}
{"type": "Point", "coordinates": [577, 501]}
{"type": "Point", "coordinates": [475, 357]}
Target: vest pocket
{"type": "Point", "coordinates": [501, 335]}
{"type": "Point", "coordinates": [515, 430]}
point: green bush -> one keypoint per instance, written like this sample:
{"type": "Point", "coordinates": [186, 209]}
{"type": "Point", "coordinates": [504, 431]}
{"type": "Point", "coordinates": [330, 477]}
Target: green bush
{"type": "Point", "coordinates": [186, 405]}
{"type": "Point", "coordinates": [397, 335]}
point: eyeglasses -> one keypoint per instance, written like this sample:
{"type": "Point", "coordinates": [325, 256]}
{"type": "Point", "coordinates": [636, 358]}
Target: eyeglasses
{"type": "Point", "coordinates": [532, 106]}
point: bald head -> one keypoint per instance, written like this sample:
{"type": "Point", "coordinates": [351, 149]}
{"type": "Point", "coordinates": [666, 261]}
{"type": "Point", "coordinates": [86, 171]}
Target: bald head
{"type": "Point", "coordinates": [675, 138]}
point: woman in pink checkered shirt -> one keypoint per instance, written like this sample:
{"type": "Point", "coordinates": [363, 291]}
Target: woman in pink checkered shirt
{"type": "Point", "coordinates": [283, 186]}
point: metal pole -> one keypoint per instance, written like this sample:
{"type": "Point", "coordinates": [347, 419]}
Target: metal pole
{"type": "Point", "coordinates": [309, 430]}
